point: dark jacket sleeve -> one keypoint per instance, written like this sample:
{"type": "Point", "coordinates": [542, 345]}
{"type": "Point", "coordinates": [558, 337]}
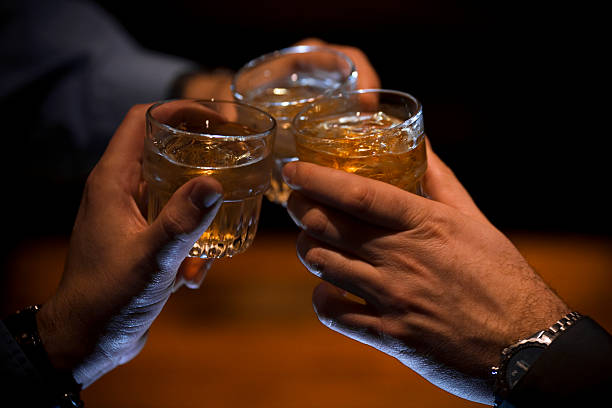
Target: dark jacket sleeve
{"type": "Point", "coordinates": [575, 371]}
{"type": "Point", "coordinates": [69, 72]}
{"type": "Point", "coordinates": [20, 383]}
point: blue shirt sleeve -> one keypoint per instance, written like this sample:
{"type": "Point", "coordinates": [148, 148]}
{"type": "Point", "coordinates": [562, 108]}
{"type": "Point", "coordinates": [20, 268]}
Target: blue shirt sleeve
{"type": "Point", "coordinates": [89, 69]}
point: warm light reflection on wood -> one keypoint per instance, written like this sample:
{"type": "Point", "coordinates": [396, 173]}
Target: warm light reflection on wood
{"type": "Point", "coordinates": [249, 337]}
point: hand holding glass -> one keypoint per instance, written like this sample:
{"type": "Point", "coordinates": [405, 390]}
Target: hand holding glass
{"type": "Point", "coordinates": [372, 132]}
{"type": "Point", "coordinates": [230, 141]}
{"type": "Point", "coordinates": [282, 83]}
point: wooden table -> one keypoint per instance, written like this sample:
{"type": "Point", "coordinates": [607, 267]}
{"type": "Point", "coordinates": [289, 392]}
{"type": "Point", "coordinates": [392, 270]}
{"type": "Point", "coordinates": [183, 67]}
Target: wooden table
{"type": "Point", "coordinates": [249, 338]}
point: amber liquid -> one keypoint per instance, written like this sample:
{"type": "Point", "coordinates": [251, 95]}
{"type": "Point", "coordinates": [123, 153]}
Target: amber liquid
{"type": "Point", "coordinates": [242, 167]}
{"type": "Point", "coordinates": [371, 144]}
{"type": "Point", "coordinates": [284, 101]}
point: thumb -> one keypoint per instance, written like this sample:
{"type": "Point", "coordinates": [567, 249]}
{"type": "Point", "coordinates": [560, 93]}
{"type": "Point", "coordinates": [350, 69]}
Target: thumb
{"type": "Point", "coordinates": [188, 213]}
{"type": "Point", "coordinates": [441, 184]}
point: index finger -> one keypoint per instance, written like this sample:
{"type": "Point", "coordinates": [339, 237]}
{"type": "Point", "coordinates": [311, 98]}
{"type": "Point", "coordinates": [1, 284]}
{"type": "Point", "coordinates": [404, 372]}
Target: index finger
{"type": "Point", "coordinates": [126, 145]}
{"type": "Point", "coordinates": [370, 200]}
{"type": "Point", "coordinates": [367, 77]}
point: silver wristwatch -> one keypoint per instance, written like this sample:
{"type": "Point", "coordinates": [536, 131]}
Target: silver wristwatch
{"type": "Point", "coordinates": [517, 358]}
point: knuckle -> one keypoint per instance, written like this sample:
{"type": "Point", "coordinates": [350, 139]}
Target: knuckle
{"type": "Point", "coordinates": [424, 220]}
{"type": "Point", "coordinates": [95, 181]}
{"type": "Point", "coordinates": [311, 41]}
{"type": "Point", "coordinates": [302, 175]}
{"type": "Point", "coordinates": [440, 171]}
{"type": "Point", "coordinates": [353, 51]}
{"type": "Point", "coordinates": [92, 180]}
{"type": "Point", "coordinates": [394, 326]}
{"type": "Point", "coordinates": [172, 223]}
{"type": "Point", "coordinates": [363, 197]}
{"type": "Point", "coordinates": [137, 110]}
{"type": "Point", "coordinates": [397, 258]}
{"type": "Point", "coordinates": [395, 297]}
{"type": "Point", "coordinates": [437, 227]}
{"type": "Point", "coordinates": [315, 222]}
{"type": "Point", "coordinates": [406, 215]}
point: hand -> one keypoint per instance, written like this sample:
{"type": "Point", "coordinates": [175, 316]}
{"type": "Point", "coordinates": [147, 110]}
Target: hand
{"type": "Point", "coordinates": [443, 290]}
{"type": "Point", "coordinates": [367, 76]}
{"type": "Point", "coordinates": [120, 271]}
{"type": "Point", "coordinates": [207, 85]}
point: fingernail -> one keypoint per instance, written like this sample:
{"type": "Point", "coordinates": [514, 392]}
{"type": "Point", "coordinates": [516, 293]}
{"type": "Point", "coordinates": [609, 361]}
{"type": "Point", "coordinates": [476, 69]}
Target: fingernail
{"type": "Point", "coordinates": [295, 219]}
{"type": "Point", "coordinates": [204, 197]}
{"type": "Point", "coordinates": [193, 284]}
{"type": "Point", "coordinates": [288, 174]}
{"type": "Point", "coordinates": [178, 282]}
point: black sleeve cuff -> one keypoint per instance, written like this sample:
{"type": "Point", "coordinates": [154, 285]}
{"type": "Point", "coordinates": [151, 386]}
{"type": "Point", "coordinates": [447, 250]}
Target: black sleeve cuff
{"type": "Point", "coordinates": [21, 383]}
{"type": "Point", "coordinates": [576, 370]}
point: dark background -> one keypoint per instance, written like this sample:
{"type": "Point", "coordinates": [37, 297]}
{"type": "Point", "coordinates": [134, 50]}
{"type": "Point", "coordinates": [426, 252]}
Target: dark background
{"type": "Point", "coordinates": [514, 101]}
{"type": "Point", "coordinates": [508, 91]}
{"type": "Point", "coordinates": [513, 96]}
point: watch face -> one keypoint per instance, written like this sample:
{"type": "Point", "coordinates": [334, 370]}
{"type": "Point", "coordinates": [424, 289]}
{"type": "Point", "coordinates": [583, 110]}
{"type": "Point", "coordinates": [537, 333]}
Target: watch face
{"type": "Point", "coordinates": [520, 362]}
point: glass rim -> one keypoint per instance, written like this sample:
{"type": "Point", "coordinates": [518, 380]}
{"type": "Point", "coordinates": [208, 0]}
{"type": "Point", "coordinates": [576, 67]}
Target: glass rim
{"type": "Point", "coordinates": [408, 122]}
{"type": "Point", "coordinates": [296, 49]}
{"type": "Point", "coordinates": [150, 118]}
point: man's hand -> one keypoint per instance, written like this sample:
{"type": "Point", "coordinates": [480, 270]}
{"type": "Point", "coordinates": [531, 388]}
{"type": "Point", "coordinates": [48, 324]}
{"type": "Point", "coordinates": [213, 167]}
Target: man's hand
{"type": "Point", "coordinates": [208, 85]}
{"type": "Point", "coordinates": [443, 290]}
{"type": "Point", "coordinates": [367, 76]}
{"type": "Point", "coordinates": [119, 270]}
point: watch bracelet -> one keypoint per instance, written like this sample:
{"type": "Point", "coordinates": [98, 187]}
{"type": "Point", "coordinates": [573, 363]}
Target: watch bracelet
{"type": "Point", "coordinates": [563, 323]}
{"type": "Point", "coordinates": [552, 332]}
{"type": "Point", "coordinates": [24, 329]}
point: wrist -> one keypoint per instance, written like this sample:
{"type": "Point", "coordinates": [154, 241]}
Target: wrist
{"type": "Point", "coordinates": [517, 358]}
{"type": "Point", "coordinates": [521, 322]}
{"type": "Point", "coordinates": [58, 339]}
{"type": "Point", "coordinates": [517, 324]}
{"type": "Point", "coordinates": [58, 386]}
